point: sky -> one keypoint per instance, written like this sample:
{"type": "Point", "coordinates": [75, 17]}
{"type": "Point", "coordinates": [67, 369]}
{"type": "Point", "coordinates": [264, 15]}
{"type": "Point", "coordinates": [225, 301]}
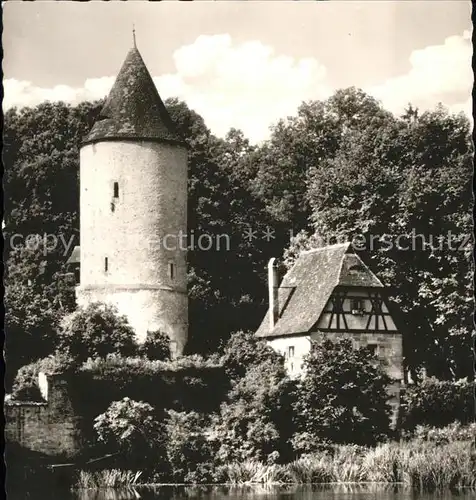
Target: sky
{"type": "Point", "coordinates": [243, 64]}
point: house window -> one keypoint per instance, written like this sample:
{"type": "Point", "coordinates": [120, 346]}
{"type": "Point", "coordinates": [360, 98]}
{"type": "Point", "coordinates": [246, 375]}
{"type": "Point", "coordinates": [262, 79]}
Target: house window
{"type": "Point", "coordinates": [106, 264]}
{"type": "Point", "coordinates": [116, 190]}
{"type": "Point", "coordinates": [357, 306]}
{"type": "Point", "coordinates": [291, 351]}
{"type": "Point", "coordinates": [171, 270]}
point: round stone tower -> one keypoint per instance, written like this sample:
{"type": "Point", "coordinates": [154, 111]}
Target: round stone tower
{"type": "Point", "coordinates": [133, 209]}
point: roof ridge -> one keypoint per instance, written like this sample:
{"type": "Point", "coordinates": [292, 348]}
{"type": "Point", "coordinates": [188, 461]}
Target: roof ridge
{"type": "Point", "coordinates": [327, 247]}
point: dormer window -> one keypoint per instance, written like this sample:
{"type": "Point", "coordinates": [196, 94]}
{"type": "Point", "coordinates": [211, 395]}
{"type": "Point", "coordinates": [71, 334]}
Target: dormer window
{"type": "Point", "coordinates": [116, 190]}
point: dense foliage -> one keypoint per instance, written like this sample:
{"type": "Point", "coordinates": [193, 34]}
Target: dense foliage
{"type": "Point", "coordinates": [340, 168]}
{"type": "Point", "coordinates": [189, 451]}
{"type": "Point", "coordinates": [156, 346]}
{"type": "Point", "coordinates": [245, 350]}
{"type": "Point", "coordinates": [96, 331]}
{"type": "Point", "coordinates": [25, 385]}
{"type": "Point", "coordinates": [437, 403]}
{"type": "Point", "coordinates": [400, 187]}
{"type": "Point", "coordinates": [342, 398]}
{"type": "Point", "coordinates": [41, 158]}
{"type": "Point", "coordinates": [255, 422]}
{"type": "Point", "coordinates": [132, 429]}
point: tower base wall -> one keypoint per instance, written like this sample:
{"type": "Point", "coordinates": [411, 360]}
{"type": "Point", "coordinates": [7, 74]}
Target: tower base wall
{"type": "Point", "coordinates": [147, 310]}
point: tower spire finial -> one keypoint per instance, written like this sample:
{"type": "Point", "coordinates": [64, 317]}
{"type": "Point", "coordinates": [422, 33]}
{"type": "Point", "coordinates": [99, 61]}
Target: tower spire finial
{"type": "Point", "coordinates": [134, 35]}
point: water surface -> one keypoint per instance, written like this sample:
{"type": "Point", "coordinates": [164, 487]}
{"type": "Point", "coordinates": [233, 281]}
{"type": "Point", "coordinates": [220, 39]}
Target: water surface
{"type": "Point", "coordinates": [337, 492]}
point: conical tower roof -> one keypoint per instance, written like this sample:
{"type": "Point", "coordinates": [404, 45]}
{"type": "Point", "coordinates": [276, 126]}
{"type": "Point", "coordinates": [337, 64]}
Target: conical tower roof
{"type": "Point", "coordinates": [134, 109]}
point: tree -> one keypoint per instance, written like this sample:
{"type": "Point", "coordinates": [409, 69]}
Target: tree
{"type": "Point", "coordinates": [244, 350]}
{"type": "Point", "coordinates": [95, 331]}
{"type": "Point", "coordinates": [41, 158]}
{"type": "Point", "coordinates": [189, 452]}
{"type": "Point", "coordinates": [405, 194]}
{"type": "Point", "coordinates": [156, 346]}
{"type": "Point", "coordinates": [38, 293]}
{"type": "Point", "coordinates": [342, 398]}
{"type": "Point", "coordinates": [254, 421]}
{"type": "Point", "coordinates": [221, 280]}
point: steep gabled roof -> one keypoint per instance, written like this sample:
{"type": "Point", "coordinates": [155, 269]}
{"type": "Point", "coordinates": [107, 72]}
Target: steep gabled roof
{"type": "Point", "coordinates": [355, 273]}
{"type": "Point", "coordinates": [134, 109]}
{"type": "Point", "coordinates": [308, 285]}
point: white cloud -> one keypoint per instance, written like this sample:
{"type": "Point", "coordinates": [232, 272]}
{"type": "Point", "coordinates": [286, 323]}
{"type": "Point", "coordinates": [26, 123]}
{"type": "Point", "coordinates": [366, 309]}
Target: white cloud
{"type": "Point", "coordinates": [439, 73]}
{"type": "Point", "coordinates": [244, 86]}
{"type": "Point", "coordinates": [248, 86]}
{"type": "Point", "coordinates": [23, 93]}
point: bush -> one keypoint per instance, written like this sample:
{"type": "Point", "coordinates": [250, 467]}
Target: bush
{"type": "Point", "coordinates": [184, 384]}
{"type": "Point", "coordinates": [342, 397]}
{"type": "Point", "coordinates": [25, 384]}
{"type": "Point", "coordinates": [245, 350]}
{"type": "Point", "coordinates": [156, 346]}
{"type": "Point", "coordinates": [444, 435]}
{"type": "Point", "coordinates": [437, 403]}
{"type": "Point", "coordinates": [131, 428]}
{"type": "Point", "coordinates": [189, 452]}
{"type": "Point", "coordinates": [96, 331]}
{"type": "Point", "coordinates": [254, 422]}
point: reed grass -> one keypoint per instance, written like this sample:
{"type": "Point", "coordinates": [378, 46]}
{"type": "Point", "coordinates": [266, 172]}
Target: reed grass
{"type": "Point", "coordinates": [107, 478]}
{"type": "Point", "coordinates": [252, 472]}
{"type": "Point", "coordinates": [420, 465]}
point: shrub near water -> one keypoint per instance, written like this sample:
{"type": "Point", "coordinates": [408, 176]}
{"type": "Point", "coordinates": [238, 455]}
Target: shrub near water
{"type": "Point", "coordinates": [342, 399]}
{"type": "Point", "coordinates": [132, 429]}
{"type": "Point", "coordinates": [437, 403]}
{"type": "Point", "coordinates": [189, 452]}
{"type": "Point", "coordinates": [449, 434]}
{"type": "Point", "coordinates": [254, 422]}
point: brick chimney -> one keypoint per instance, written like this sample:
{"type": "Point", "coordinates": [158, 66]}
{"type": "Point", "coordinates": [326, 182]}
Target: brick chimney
{"type": "Point", "coordinates": [273, 293]}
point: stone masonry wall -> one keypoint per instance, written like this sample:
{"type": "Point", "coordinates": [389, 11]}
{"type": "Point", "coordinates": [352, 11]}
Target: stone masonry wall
{"type": "Point", "coordinates": [48, 427]}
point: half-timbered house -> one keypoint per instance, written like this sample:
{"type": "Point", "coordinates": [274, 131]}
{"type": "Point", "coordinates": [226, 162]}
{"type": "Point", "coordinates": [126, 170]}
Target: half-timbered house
{"type": "Point", "coordinates": [330, 292]}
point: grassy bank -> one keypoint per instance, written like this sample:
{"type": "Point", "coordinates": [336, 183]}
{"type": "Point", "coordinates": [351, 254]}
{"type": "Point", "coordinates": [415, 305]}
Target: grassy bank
{"type": "Point", "coordinates": [422, 465]}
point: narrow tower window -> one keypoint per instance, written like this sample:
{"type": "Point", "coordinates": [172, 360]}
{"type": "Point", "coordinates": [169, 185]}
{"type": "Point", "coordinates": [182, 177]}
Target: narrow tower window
{"type": "Point", "coordinates": [171, 270]}
{"type": "Point", "coordinates": [116, 190]}
{"type": "Point", "coordinates": [106, 264]}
